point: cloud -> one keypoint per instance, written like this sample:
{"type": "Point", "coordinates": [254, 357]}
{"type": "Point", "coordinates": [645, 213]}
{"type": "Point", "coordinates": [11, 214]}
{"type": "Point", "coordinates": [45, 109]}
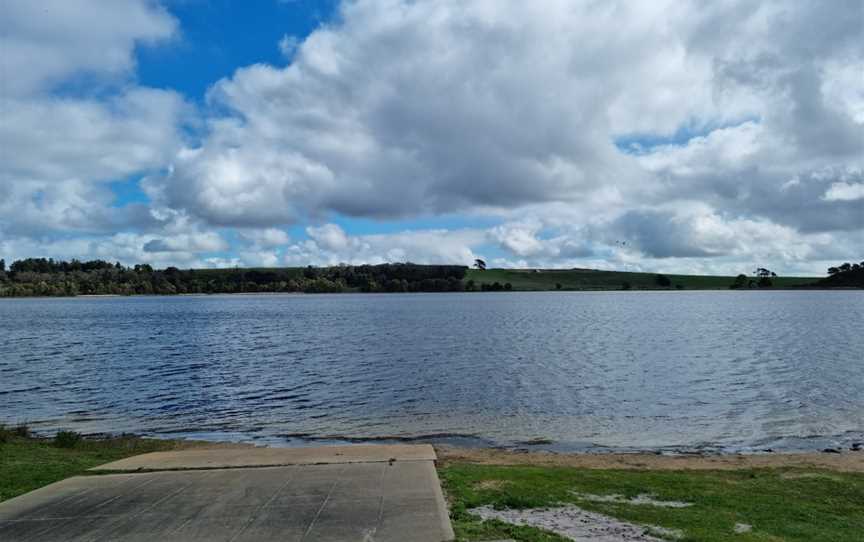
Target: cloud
{"type": "Point", "coordinates": [331, 245]}
{"type": "Point", "coordinates": [265, 238]}
{"type": "Point", "coordinates": [288, 46]}
{"type": "Point", "coordinates": [480, 114]}
{"type": "Point", "coordinates": [126, 248]}
{"type": "Point", "coordinates": [59, 148]}
{"type": "Point", "coordinates": [456, 121]}
{"type": "Point", "coordinates": [194, 242]}
{"type": "Point", "coordinates": [329, 237]}
{"type": "Point", "coordinates": [843, 191]}
{"type": "Point", "coordinates": [746, 122]}
{"type": "Point", "coordinates": [660, 235]}
{"type": "Point", "coordinates": [56, 139]}
{"type": "Point", "coordinates": [45, 43]}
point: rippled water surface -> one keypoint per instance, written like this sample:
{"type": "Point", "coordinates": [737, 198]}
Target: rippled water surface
{"type": "Point", "coordinates": [613, 370]}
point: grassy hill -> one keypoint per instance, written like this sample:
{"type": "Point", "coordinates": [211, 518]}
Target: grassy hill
{"type": "Point", "coordinates": [591, 279]}
{"type": "Point", "coordinates": [48, 277]}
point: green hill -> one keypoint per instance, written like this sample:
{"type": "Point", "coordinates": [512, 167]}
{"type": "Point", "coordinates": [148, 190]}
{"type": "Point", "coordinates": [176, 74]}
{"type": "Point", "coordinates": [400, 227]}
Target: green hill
{"type": "Point", "coordinates": [48, 277]}
{"type": "Point", "coordinates": [592, 279]}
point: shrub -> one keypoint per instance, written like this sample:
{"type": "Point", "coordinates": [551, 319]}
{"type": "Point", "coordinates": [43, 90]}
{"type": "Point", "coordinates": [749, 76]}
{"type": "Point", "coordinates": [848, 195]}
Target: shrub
{"type": "Point", "coordinates": [8, 433]}
{"type": "Point", "coordinates": [740, 282]}
{"type": "Point", "coordinates": [22, 430]}
{"type": "Point", "coordinates": [66, 439]}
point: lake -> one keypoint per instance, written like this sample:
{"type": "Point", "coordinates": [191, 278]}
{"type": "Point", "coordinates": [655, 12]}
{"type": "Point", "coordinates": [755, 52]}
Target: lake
{"type": "Point", "coordinates": [590, 371]}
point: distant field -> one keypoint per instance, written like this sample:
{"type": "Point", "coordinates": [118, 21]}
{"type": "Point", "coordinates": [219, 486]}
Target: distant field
{"type": "Point", "coordinates": [589, 279]}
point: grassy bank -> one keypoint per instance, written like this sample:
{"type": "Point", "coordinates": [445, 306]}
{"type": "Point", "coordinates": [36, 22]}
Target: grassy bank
{"type": "Point", "coordinates": [788, 503]}
{"type": "Point", "coordinates": [776, 504]}
{"type": "Point", "coordinates": [28, 463]}
{"type": "Point", "coordinates": [591, 279]}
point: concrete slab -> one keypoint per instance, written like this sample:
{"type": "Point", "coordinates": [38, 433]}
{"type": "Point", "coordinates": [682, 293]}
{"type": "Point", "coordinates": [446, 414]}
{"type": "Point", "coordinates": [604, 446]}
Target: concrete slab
{"type": "Point", "coordinates": [377, 501]}
{"type": "Point", "coordinates": [270, 457]}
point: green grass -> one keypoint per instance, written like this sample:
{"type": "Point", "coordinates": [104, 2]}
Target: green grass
{"type": "Point", "coordinates": [781, 504]}
{"type": "Point", "coordinates": [590, 279]}
{"type": "Point", "coordinates": [30, 463]}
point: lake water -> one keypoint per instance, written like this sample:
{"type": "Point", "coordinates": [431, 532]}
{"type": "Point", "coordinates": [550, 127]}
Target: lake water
{"type": "Point", "coordinates": [709, 371]}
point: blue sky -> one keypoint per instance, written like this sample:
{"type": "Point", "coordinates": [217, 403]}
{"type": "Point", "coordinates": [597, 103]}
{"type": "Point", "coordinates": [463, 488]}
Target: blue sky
{"type": "Point", "coordinates": [218, 36]}
{"type": "Point", "coordinates": [220, 133]}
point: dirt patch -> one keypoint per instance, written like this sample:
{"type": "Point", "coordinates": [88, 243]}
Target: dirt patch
{"type": "Point", "coordinates": [575, 523]}
{"type": "Point", "coordinates": [809, 475]}
{"type": "Point", "coordinates": [844, 462]}
{"type": "Point", "coordinates": [741, 528]}
{"type": "Point", "coordinates": [491, 484]}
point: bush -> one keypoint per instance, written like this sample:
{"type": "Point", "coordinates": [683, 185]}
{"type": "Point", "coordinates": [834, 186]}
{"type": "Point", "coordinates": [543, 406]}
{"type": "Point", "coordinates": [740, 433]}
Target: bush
{"type": "Point", "coordinates": [6, 433]}
{"type": "Point", "coordinates": [741, 281]}
{"type": "Point", "coordinates": [66, 439]}
{"type": "Point", "coordinates": [22, 430]}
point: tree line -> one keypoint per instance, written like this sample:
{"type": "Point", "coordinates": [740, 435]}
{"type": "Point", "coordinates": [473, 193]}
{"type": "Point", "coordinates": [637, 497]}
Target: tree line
{"type": "Point", "coordinates": [762, 278]}
{"type": "Point", "coordinates": [48, 277]}
{"type": "Point", "coordinates": [846, 275]}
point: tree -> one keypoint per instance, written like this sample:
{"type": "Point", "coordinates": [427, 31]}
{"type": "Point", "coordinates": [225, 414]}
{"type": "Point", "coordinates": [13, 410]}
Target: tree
{"type": "Point", "coordinates": [2, 264]}
{"type": "Point", "coordinates": [847, 275]}
{"type": "Point", "coordinates": [663, 281]}
{"type": "Point", "coordinates": [626, 285]}
{"type": "Point", "coordinates": [480, 264]}
{"type": "Point", "coordinates": [765, 276]}
{"type": "Point", "coordinates": [740, 282]}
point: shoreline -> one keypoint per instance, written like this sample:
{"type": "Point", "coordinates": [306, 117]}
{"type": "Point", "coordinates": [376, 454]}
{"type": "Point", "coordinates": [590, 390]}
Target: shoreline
{"type": "Point", "coordinates": [842, 461]}
{"type": "Point", "coordinates": [851, 460]}
{"type": "Point", "coordinates": [795, 497]}
{"type": "Point", "coordinates": [841, 458]}
{"type": "Point", "coordinates": [478, 292]}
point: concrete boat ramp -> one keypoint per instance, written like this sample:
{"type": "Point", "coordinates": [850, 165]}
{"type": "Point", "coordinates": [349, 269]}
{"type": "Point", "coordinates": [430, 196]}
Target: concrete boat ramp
{"type": "Point", "coordinates": [329, 494]}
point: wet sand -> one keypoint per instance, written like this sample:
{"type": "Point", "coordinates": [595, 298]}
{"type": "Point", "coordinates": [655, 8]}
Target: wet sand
{"type": "Point", "coordinates": [851, 461]}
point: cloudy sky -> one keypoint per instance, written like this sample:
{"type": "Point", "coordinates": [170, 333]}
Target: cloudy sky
{"type": "Point", "coordinates": [666, 136]}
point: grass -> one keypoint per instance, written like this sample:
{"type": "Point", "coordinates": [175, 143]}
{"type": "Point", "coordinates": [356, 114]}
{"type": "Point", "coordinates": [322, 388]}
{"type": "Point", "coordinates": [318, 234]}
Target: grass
{"type": "Point", "coordinates": [590, 279]}
{"type": "Point", "coordinates": [781, 504]}
{"type": "Point", "coordinates": [28, 463]}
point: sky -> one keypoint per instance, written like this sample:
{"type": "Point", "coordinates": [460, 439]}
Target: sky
{"type": "Point", "coordinates": [663, 136]}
